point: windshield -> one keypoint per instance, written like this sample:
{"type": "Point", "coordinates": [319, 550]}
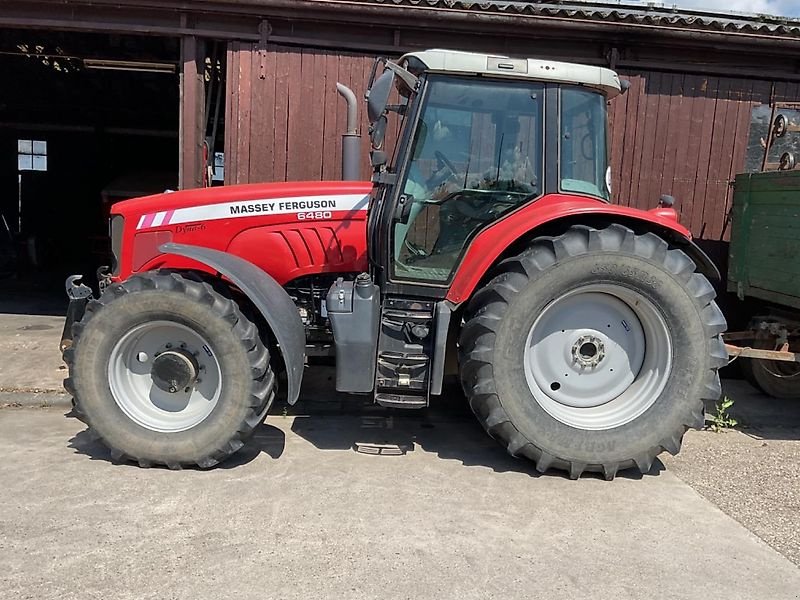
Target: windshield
{"type": "Point", "coordinates": [584, 153]}
{"type": "Point", "coordinates": [476, 154]}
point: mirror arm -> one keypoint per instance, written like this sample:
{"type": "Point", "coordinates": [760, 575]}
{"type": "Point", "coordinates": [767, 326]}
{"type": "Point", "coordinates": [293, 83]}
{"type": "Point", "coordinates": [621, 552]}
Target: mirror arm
{"type": "Point", "coordinates": [411, 81]}
{"type": "Point", "coordinates": [378, 60]}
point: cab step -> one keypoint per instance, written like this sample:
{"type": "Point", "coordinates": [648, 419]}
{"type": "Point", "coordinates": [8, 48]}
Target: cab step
{"type": "Point", "coordinates": [401, 400]}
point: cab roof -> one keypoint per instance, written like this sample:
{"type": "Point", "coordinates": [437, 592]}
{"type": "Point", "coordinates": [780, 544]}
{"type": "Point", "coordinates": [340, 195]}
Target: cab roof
{"type": "Point", "coordinates": [496, 65]}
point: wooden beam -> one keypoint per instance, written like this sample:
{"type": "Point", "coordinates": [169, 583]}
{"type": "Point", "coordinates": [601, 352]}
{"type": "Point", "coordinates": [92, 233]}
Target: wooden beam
{"type": "Point", "coordinates": [192, 113]}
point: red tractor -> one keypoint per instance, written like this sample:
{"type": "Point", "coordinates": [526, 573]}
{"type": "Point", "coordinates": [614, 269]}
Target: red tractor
{"type": "Point", "coordinates": [585, 335]}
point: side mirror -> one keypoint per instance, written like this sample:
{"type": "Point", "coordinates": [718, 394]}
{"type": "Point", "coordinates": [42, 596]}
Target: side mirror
{"type": "Point", "coordinates": [377, 131]}
{"type": "Point", "coordinates": [378, 95]}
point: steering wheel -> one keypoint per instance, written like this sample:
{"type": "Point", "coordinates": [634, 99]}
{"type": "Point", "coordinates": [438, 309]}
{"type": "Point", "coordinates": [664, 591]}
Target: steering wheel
{"type": "Point", "coordinates": [447, 163]}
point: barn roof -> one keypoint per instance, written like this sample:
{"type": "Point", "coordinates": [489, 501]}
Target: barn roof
{"type": "Point", "coordinates": [635, 13]}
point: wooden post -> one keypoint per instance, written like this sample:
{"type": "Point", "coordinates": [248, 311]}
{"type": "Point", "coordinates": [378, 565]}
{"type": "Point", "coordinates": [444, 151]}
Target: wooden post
{"type": "Point", "coordinates": [192, 113]}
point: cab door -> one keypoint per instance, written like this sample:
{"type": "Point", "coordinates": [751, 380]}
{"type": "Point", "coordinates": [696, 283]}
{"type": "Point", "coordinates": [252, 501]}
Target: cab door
{"type": "Point", "coordinates": [474, 155]}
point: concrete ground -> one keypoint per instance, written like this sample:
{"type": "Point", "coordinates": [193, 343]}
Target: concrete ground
{"type": "Point", "coordinates": [298, 514]}
{"type": "Point", "coordinates": [31, 361]}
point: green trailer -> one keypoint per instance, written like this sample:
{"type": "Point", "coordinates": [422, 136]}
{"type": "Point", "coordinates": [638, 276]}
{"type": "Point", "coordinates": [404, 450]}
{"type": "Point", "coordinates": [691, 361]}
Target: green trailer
{"type": "Point", "coordinates": [764, 268]}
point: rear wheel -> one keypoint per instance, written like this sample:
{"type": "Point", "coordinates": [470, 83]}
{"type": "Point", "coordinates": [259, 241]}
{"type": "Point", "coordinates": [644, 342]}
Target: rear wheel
{"type": "Point", "coordinates": [168, 371]}
{"type": "Point", "coordinates": [592, 351]}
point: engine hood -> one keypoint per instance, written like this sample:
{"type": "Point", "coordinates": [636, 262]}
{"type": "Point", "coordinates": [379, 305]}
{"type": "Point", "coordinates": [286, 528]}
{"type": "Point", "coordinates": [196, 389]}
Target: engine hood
{"type": "Point", "coordinates": [289, 230]}
{"type": "Point", "coordinates": [230, 195]}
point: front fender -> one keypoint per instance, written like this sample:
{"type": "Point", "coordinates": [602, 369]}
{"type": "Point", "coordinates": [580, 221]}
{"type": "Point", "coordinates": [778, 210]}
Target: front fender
{"type": "Point", "coordinates": [490, 244]}
{"type": "Point", "coordinates": [270, 299]}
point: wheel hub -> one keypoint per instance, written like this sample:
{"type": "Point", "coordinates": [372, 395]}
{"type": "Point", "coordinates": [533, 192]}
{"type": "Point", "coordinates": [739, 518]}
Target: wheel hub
{"type": "Point", "coordinates": [588, 351]}
{"type": "Point", "coordinates": [597, 356]}
{"type": "Point", "coordinates": [174, 370]}
{"type": "Point", "coordinates": [164, 376]}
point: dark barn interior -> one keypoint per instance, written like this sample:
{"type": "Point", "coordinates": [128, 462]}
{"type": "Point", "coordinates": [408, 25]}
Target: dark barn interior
{"type": "Point", "coordinates": [85, 120]}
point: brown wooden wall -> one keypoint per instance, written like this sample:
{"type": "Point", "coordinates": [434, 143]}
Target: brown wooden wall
{"type": "Point", "coordinates": [672, 133]}
{"type": "Point", "coordinates": [686, 135]}
{"type": "Point", "coordinates": [284, 118]}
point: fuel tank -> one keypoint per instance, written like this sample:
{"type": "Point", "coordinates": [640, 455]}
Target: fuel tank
{"type": "Point", "coordinates": [287, 229]}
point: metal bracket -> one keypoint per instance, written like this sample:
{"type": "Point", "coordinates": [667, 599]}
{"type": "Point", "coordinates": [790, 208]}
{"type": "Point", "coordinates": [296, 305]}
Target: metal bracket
{"type": "Point", "coordinates": [103, 278]}
{"type": "Point", "coordinates": [384, 177]}
{"type": "Point", "coordinates": [76, 290]}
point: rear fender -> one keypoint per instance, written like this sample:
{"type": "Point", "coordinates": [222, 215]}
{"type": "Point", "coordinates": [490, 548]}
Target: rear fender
{"type": "Point", "coordinates": [269, 298]}
{"type": "Point", "coordinates": [491, 244]}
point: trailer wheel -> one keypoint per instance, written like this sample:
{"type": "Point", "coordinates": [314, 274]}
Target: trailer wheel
{"type": "Point", "coordinates": [166, 370]}
{"type": "Point", "coordinates": [593, 350]}
{"type": "Point", "coordinates": [773, 377]}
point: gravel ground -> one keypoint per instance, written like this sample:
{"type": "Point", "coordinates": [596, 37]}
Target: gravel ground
{"type": "Point", "coordinates": [751, 474]}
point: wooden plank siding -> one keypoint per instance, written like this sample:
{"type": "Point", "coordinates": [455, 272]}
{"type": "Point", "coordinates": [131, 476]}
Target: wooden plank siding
{"type": "Point", "coordinates": [681, 134]}
{"type": "Point", "coordinates": [684, 135]}
{"type": "Point", "coordinates": [284, 118]}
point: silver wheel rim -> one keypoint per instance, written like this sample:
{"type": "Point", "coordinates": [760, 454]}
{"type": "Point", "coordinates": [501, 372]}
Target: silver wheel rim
{"type": "Point", "coordinates": [136, 394]}
{"type": "Point", "coordinates": [598, 357]}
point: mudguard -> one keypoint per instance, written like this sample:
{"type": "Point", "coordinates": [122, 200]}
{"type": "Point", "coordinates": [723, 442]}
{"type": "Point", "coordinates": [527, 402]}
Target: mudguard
{"type": "Point", "coordinates": [490, 244]}
{"type": "Point", "coordinates": [268, 296]}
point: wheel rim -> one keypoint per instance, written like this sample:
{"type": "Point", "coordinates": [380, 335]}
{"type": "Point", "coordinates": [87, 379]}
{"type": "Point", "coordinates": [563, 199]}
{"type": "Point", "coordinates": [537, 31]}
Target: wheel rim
{"type": "Point", "coordinates": [136, 375]}
{"type": "Point", "coordinates": [598, 357]}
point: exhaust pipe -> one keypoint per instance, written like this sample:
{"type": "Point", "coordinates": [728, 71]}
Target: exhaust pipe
{"type": "Point", "coordinates": [351, 140]}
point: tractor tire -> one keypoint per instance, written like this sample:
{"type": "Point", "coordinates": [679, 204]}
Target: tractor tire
{"type": "Point", "coordinates": [593, 350]}
{"type": "Point", "coordinates": [138, 346]}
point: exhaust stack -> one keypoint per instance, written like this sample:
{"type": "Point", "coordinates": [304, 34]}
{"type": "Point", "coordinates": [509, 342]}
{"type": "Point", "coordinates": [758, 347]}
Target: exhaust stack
{"type": "Point", "coordinates": [351, 140]}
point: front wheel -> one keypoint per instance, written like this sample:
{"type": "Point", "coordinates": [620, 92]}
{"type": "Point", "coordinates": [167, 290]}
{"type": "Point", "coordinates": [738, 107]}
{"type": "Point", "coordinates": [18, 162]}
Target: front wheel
{"type": "Point", "coordinates": [593, 350]}
{"type": "Point", "coordinates": [165, 370]}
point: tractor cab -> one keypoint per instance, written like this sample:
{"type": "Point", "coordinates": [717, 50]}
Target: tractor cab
{"type": "Point", "coordinates": [480, 137]}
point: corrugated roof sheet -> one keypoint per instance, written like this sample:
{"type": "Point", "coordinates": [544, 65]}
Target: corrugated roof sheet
{"type": "Point", "coordinates": [642, 13]}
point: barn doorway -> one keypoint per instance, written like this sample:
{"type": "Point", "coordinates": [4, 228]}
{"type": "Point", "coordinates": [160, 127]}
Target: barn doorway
{"type": "Point", "coordinates": [86, 120]}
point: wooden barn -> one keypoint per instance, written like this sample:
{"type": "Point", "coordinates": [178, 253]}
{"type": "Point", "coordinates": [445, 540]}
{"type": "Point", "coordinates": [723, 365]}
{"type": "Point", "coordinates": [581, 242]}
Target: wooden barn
{"type": "Point", "coordinates": [126, 97]}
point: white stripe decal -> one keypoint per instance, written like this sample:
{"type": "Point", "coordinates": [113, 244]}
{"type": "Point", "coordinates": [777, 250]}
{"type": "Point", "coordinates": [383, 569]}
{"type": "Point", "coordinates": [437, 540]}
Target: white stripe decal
{"type": "Point", "coordinates": [268, 206]}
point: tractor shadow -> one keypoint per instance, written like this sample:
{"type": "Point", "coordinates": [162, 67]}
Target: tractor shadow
{"type": "Point", "coordinates": [266, 440]}
{"type": "Point", "coordinates": [333, 421]}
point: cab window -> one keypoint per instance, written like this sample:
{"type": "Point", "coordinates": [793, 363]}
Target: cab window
{"type": "Point", "coordinates": [476, 154]}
